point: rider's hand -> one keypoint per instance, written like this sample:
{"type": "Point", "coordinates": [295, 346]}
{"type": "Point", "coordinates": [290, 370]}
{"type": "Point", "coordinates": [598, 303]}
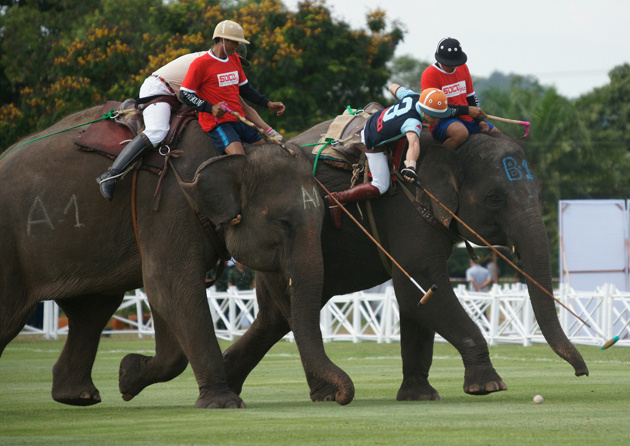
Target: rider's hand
{"type": "Point", "coordinates": [476, 113]}
{"type": "Point", "coordinates": [278, 107]}
{"type": "Point", "coordinates": [409, 173]}
{"type": "Point", "coordinates": [217, 110]}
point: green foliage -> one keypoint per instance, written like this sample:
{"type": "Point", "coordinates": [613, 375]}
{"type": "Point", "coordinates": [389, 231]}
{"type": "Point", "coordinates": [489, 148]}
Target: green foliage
{"type": "Point", "coordinates": [407, 71]}
{"type": "Point", "coordinates": [586, 410]}
{"type": "Point", "coordinates": [59, 57]}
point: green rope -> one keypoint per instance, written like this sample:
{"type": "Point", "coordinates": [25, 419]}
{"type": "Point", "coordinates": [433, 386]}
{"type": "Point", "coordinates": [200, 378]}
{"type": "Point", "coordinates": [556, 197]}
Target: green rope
{"type": "Point", "coordinates": [110, 115]}
{"type": "Point", "coordinates": [323, 144]}
{"type": "Point", "coordinates": [326, 141]}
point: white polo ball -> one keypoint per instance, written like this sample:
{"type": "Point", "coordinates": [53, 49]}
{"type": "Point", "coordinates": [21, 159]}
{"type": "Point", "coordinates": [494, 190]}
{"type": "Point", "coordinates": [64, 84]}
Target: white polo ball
{"type": "Point", "coordinates": [538, 399]}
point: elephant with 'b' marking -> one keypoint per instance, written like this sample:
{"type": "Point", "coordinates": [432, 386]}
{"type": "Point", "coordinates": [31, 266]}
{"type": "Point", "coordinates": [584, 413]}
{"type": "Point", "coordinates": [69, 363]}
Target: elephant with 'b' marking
{"type": "Point", "coordinates": [489, 185]}
{"type": "Point", "coordinates": [61, 240]}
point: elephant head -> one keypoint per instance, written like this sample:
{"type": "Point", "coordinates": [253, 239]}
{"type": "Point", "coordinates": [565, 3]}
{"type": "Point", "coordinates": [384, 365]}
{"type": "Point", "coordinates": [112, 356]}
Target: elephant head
{"type": "Point", "coordinates": [280, 230]}
{"type": "Point", "coordinates": [488, 183]}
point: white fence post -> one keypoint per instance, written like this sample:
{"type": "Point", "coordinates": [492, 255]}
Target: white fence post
{"type": "Point", "coordinates": [607, 310]}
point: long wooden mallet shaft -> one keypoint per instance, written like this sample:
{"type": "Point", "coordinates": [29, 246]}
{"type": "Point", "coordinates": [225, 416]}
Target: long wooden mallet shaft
{"type": "Point", "coordinates": [512, 121]}
{"type": "Point", "coordinates": [496, 251]}
{"type": "Point", "coordinates": [427, 295]}
{"type": "Point", "coordinates": [254, 126]}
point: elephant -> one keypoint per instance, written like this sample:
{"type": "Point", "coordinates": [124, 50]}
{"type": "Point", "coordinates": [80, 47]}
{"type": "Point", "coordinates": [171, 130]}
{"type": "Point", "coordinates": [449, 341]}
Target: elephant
{"type": "Point", "coordinates": [60, 240]}
{"type": "Point", "coordinates": [488, 184]}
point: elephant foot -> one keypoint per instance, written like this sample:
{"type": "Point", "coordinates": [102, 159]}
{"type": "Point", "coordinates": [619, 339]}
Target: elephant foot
{"type": "Point", "coordinates": [327, 392]}
{"type": "Point", "coordinates": [339, 390]}
{"type": "Point", "coordinates": [482, 381]}
{"type": "Point", "coordinates": [218, 398]}
{"type": "Point", "coordinates": [74, 397]}
{"type": "Point", "coordinates": [417, 390]}
{"type": "Point", "coordinates": [130, 375]}
{"type": "Point", "coordinates": [74, 393]}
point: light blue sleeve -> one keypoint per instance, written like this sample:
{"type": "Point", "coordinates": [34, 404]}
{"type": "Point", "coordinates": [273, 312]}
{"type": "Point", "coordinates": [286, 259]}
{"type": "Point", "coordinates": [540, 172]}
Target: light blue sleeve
{"type": "Point", "coordinates": [402, 92]}
{"type": "Point", "coordinates": [411, 125]}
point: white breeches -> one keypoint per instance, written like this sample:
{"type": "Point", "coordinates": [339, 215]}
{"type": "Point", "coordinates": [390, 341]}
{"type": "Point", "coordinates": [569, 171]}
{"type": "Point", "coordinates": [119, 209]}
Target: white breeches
{"type": "Point", "coordinates": [379, 167]}
{"type": "Point", "coordinates": [157, 116]}
{"type": "Point", "coordinates": [380, 170]}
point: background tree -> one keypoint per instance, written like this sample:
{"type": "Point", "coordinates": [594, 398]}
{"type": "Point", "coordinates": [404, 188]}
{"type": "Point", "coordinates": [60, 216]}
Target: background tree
{"type": "Point", "coordinates": [59, 59]}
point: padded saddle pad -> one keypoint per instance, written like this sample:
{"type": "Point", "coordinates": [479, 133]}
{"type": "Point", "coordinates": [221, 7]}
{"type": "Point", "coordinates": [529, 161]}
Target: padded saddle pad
{"type": "Point", "coordinates": [109, 138]}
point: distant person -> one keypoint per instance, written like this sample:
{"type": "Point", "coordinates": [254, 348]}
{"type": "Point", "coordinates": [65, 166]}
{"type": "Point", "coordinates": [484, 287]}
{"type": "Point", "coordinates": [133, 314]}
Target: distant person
{"type": "Point", "coordinates": [478, 278]}
{"type": "Point", "coordinates": [494, 270]}
{"type": "Point", "coordinates": [241, 277]}
{"type": "Point", "coordinates": [450, 74]}
{"type": "Point", "coordinates": [220, 283]}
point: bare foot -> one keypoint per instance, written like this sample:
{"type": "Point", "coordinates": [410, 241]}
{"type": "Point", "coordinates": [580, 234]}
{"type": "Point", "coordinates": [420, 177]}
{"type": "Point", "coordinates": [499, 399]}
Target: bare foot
{"type": "Point", "coordinates": [236, 220]}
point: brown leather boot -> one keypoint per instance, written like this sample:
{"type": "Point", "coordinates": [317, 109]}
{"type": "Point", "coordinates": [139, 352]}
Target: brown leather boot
{"type": "Point", "coordinates": [361, 192]}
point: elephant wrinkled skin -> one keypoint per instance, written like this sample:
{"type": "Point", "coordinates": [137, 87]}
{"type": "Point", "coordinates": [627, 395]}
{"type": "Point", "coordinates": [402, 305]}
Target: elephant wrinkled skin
{"type": "Point", "coordinates": [60, 240]}
{"type": "Point", "coordinates": [489, 185]}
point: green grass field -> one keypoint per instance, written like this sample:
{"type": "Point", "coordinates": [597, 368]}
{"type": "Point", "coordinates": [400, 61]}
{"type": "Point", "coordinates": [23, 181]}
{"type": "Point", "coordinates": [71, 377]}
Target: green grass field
{"type": "Point", "coordinates": [586, 410]}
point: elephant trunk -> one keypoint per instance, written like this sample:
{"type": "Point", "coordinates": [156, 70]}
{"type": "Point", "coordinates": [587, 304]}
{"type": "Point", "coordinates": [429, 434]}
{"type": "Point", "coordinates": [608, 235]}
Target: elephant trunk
{"type": "Point", "coordinates": [531, 241]}
{"type": "Point", "coordinates": [305, 284]}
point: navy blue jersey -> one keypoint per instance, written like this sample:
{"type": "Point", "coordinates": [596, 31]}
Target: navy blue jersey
{"type": "Point", "coordinates": [393, 122]}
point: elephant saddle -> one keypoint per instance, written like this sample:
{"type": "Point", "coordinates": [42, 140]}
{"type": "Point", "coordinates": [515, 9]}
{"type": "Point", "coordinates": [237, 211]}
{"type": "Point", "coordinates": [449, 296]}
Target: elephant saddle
{"type": "Point", "coordinates": [342, 142]}
{"type": "Point", "coordinates": [109, 136]}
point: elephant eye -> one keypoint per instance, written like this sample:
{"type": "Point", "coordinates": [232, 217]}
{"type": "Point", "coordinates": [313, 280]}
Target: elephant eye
{"type": "Point", "coordinates": [495, 200]}
{"type": "Point", "coordinates": [285, 224]}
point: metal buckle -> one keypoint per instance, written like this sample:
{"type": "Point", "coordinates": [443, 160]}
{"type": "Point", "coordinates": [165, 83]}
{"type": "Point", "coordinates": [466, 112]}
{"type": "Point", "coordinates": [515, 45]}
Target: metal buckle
{"type": "Point", "coordinates": [168, 150]}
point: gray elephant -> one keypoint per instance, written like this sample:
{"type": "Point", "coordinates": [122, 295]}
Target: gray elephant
{"type": "Point", "coordinates": [489, 185]}
{"type": "Point", "coordinates": [60, 240]}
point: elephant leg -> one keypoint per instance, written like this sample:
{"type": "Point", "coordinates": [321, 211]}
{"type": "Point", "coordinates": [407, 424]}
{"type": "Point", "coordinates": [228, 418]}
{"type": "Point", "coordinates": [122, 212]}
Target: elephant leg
{"type": "Point", "coordinates": [326, 381]}
{"type": "Point", "coordinates": [72, 373]}
{"type": "Point", "coordinates": [13, 317]}
{"type": "Point", "coordinates": [480, 377]}
{"type": "Point", "coordinates": [139, 371]}
{"type": "Point", "coordinates": [267, 329]}
{"type": "Point", "coordinates": [183, 305]}
{"type": "Point", "coordinates": [416, 346]}
{"type": "Point", "coordinates": [444, 314]}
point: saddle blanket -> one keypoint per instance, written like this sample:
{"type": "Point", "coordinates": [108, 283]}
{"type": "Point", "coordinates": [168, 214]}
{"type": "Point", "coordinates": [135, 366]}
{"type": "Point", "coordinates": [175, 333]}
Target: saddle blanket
{"type": "Point", "coordinates": [108, 137]}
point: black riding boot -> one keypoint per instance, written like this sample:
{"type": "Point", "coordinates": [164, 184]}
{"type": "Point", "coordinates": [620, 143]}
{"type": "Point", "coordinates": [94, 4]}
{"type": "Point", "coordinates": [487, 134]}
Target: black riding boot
{"type": "Point", "coordinates": [127, 157]}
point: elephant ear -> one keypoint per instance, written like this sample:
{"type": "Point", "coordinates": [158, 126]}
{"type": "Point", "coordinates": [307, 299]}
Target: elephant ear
{"type": "Point", "coordinates": [216, 187]}
{"type": "Point", "coordinates": [437, 176]}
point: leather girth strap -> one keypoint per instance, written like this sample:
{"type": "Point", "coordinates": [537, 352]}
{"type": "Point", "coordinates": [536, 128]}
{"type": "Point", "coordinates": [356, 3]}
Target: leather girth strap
{"type": "Point", "coordinates": [134, 212]}
{"type": "Point", "coordinates": [429, 217]}
{"type": "Point", "coordinates": [218, 244]}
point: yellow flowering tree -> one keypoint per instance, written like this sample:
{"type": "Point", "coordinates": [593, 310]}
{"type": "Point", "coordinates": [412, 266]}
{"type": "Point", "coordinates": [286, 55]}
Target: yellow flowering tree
{"type": "Point", "coordinates": [76, 54]}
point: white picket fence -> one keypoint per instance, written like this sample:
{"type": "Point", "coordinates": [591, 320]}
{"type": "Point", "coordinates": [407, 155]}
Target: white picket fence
{"type": "Point", "coordinates": [504, 315]}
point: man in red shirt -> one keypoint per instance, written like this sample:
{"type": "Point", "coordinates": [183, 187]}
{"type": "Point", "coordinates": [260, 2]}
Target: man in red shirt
{"type": "Point", "coordinates": [217, 78]}
{"type": "Point", "coordinates": [450, 74]}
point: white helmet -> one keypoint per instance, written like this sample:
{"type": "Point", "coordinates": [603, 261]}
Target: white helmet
{"type": "Point", "coordinates": [230, 30]}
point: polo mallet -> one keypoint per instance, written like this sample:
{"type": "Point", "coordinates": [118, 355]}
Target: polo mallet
{"type": "Point", "coordinates": [512, 121]}
{"type": "Point", "coordinates": [419, 186]}
{"type": "Point", "coordinates": [610, 343]}
{"type": "Point", "coordinates": [258, 129]}
{"type": "Point", "coordinates": [427, 295]}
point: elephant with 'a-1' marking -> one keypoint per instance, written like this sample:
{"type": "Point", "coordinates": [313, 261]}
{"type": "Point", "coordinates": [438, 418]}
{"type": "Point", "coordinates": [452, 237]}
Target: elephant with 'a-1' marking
{"type": "Point", "coordinates": [489, 185]}
{"type": "Point", "coordinates": [61, 240]}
